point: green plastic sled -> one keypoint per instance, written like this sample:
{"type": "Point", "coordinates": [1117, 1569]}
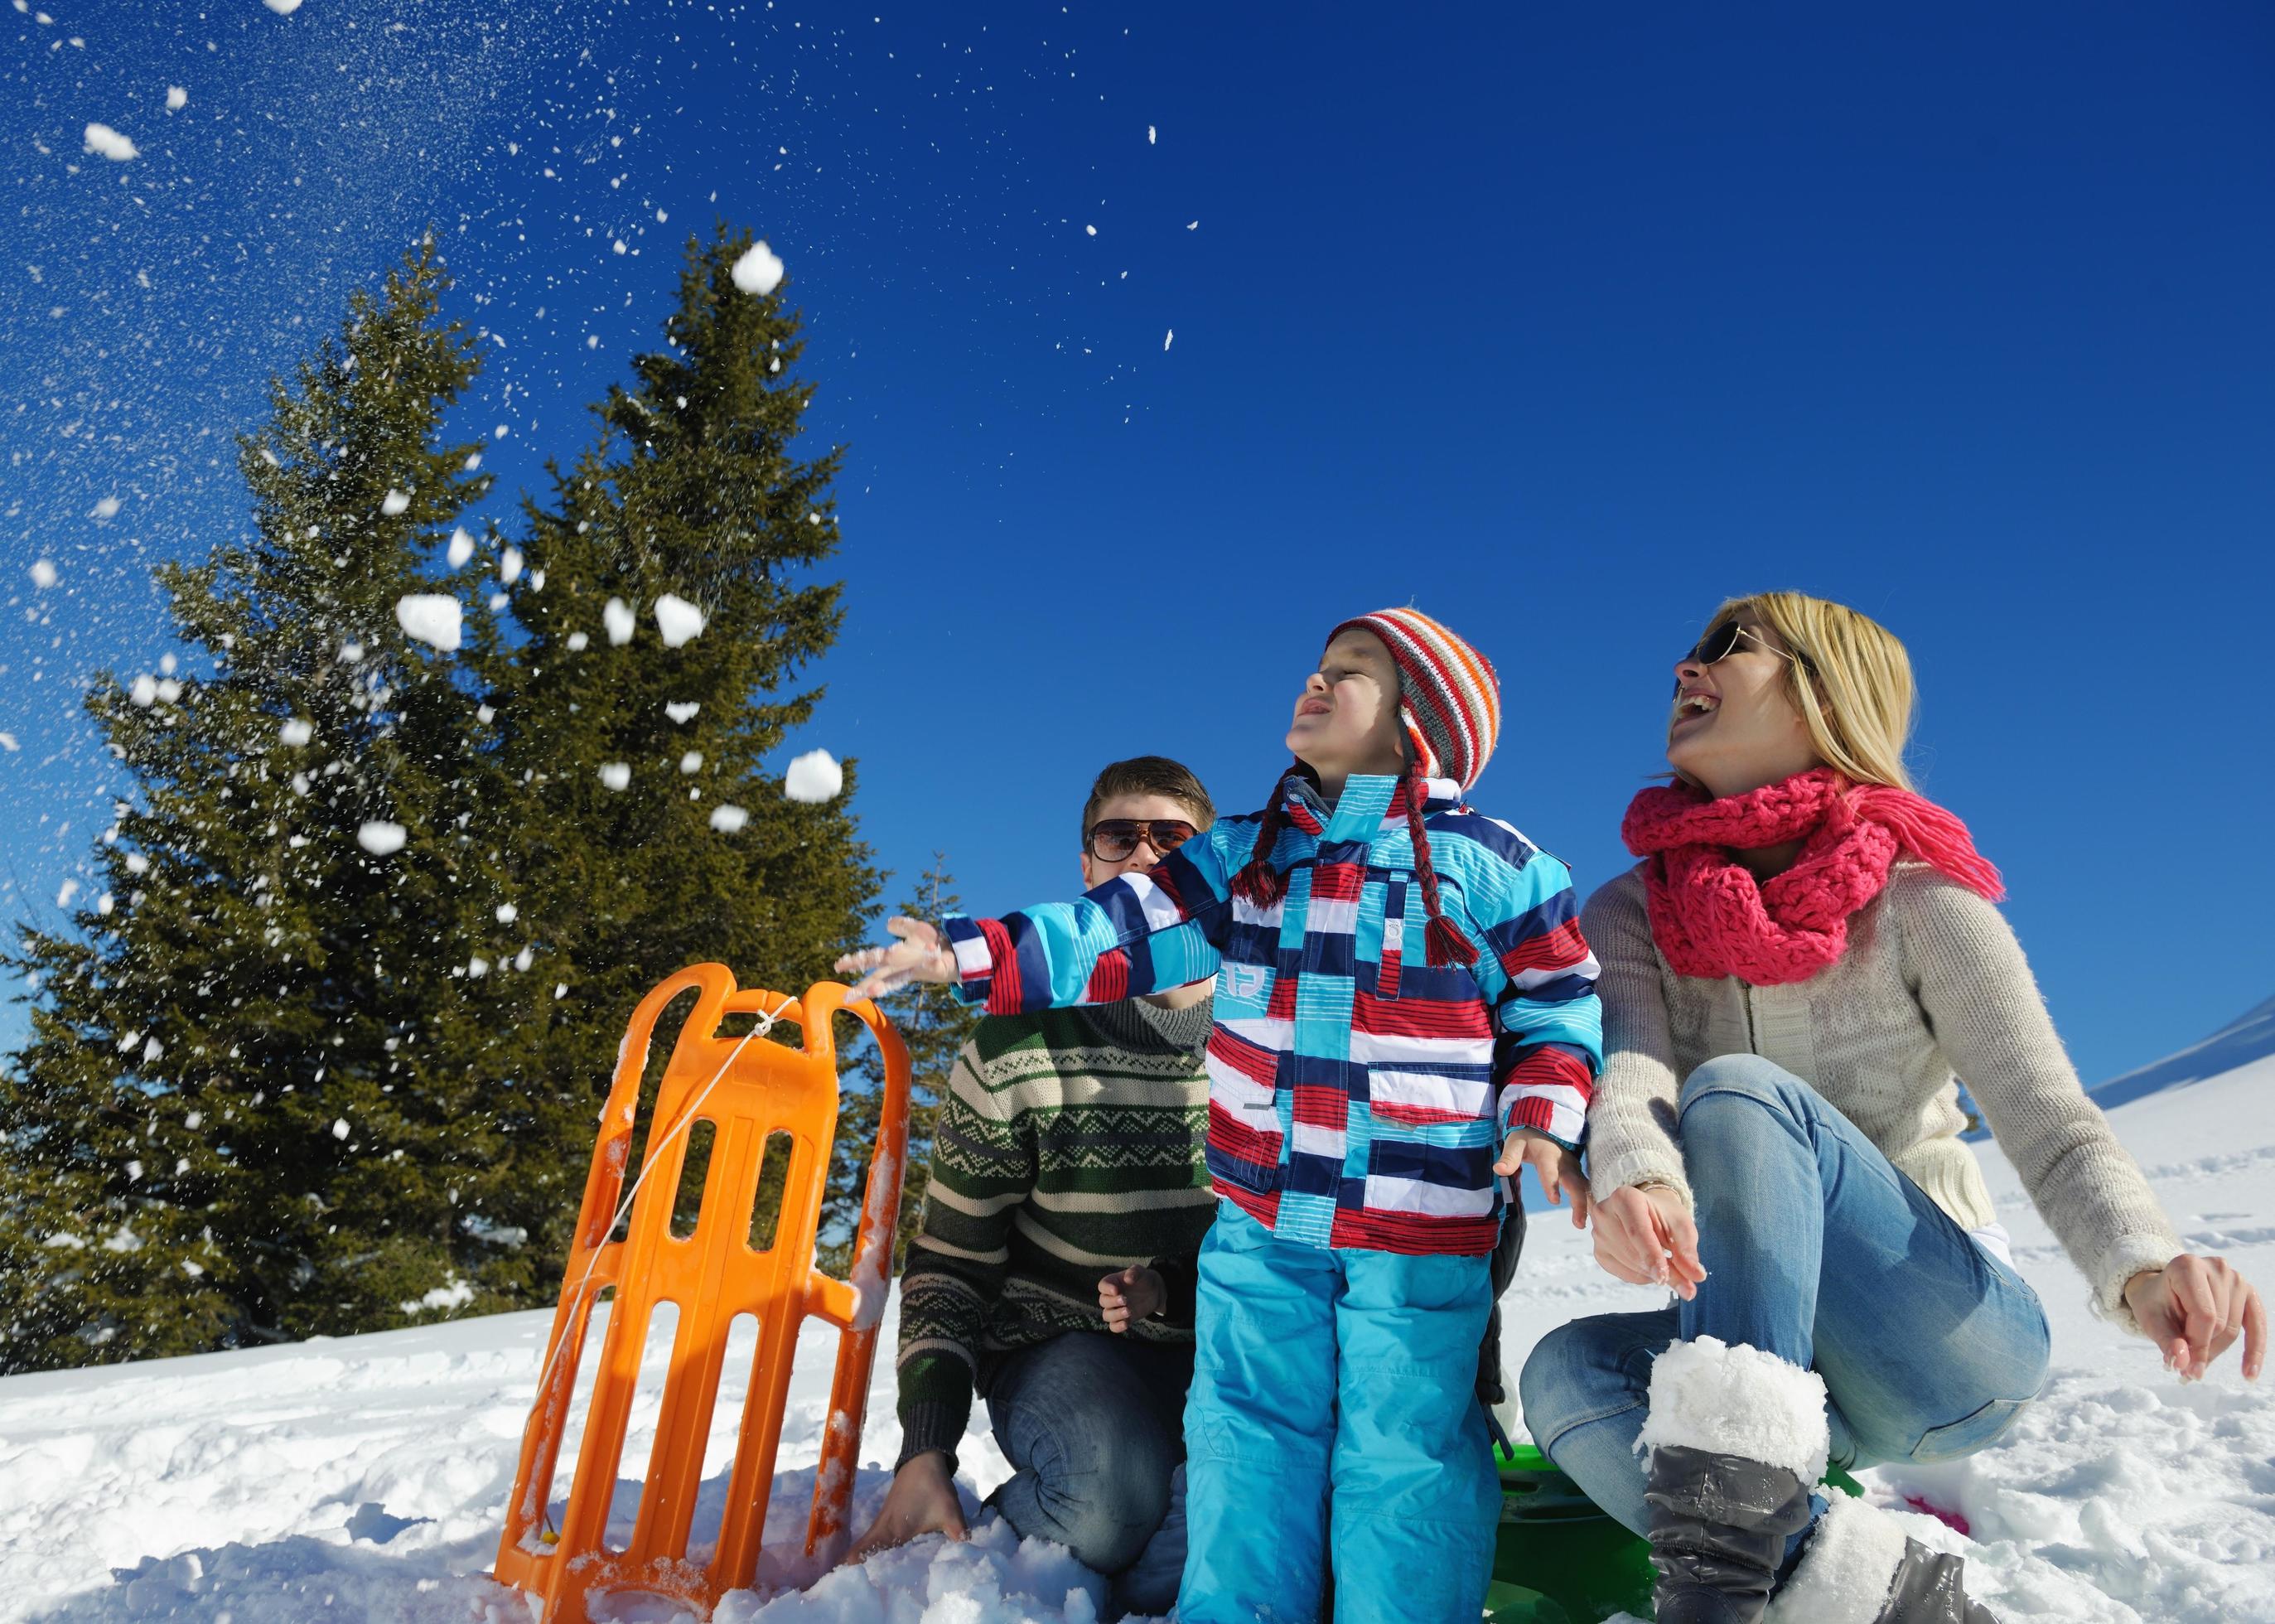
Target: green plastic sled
{"type": "Point", "coordinates": [1559, 1559]}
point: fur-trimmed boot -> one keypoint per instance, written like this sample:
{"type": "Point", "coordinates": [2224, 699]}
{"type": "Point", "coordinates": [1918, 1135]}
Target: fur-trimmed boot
{"type": "Point", "coordinates": [1735, 1440]}
{"type": "Point", "coordinates": [1860, 1567]}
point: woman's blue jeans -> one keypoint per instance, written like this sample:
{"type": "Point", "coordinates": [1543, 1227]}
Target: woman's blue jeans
{"type": "Point", "coordinates": [1818, 1250]}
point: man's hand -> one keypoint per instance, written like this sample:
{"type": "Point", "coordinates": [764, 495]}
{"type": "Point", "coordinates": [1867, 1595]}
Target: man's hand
{"type": "Point", "coordinates": [1557, 1169]}
{"type": "Point", "coordinates": [922, 953]}
{"type": "Point", "coordinates": [922, 1501]}
{"type": "Point", "coordinates": [2194, 1308]}
{"type": "Point", "coordinates": [1130, 1294]}
{"type": "Point", "coordinates": [1644, 1234]}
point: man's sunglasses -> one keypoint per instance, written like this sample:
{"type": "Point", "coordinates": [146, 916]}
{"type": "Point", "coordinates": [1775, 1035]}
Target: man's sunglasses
{"type": "Point", "coordinates": [1113, 839]}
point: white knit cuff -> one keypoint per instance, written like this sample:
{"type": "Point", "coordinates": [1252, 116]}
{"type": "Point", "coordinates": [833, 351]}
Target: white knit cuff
{"type": "Point", "coordinates": [1707, 1395]}
{"type": "Point", "coordinates": [1847, 1570]}
{"type": "Point", "coordinates": [1608, 1175]}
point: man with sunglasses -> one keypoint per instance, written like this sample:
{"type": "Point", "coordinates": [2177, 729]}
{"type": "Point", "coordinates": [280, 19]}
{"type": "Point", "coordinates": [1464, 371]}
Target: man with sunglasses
{"type": "Point", "coordinates": [1055, 1269]}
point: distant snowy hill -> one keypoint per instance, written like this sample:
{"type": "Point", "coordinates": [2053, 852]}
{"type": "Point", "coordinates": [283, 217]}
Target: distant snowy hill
{"type": "Point", "coordinates": [2249, 1037]}
{"type": "Point", "coordinates": [362, 1479]}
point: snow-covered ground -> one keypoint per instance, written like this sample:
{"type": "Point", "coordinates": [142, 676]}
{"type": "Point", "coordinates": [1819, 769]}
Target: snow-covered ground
{"type": "Point", "coordinates": [363, 1478]}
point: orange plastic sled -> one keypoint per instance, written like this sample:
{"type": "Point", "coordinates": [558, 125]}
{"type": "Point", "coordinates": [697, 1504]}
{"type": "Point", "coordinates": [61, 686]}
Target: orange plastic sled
{"type": "Point", "coordinates": [747, 1088]}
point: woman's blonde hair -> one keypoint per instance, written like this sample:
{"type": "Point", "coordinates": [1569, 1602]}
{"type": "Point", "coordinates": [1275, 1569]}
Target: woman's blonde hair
{"type": "Point", "coordinates": [1851, 681]}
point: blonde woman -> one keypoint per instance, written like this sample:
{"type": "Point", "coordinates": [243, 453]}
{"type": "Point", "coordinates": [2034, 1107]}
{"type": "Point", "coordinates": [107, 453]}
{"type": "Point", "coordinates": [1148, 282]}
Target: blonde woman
{"type": "Point", "coordinates": [1794, 978]}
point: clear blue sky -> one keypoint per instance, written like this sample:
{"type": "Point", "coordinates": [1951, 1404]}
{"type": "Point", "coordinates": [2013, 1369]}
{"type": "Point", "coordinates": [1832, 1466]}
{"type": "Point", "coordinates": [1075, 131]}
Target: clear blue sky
{"type": "Point", "coordinates": [1560, 322]}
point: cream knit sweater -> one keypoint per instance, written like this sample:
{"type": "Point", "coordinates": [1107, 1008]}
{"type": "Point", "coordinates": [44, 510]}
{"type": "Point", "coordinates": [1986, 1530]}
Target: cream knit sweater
{"type": "Point", "coordinates": [1932, 983]}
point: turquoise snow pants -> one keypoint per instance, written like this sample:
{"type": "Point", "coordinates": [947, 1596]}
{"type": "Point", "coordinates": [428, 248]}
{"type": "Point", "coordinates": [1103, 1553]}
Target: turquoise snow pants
{"type": "Point", "coordinates": [1335, 1388]}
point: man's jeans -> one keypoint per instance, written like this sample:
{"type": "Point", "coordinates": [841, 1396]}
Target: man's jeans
{"type": "Point", "coordinates": [1820, 1251]}
{"type": "Point", "coordinates": [1093, 1424]}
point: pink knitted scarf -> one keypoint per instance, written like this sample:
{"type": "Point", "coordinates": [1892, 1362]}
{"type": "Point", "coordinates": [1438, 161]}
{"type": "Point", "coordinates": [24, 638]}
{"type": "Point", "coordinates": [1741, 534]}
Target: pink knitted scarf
{"type": "Point", "coordinates": [1712, 917]}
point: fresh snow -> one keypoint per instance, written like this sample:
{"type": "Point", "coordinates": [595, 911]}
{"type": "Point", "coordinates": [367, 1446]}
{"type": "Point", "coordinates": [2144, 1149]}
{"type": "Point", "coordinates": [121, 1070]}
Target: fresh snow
{"type": "Point", "coordinates": [758, 271]}
{"type": "Point", "coordinates": [363, 1478]}
{"type": "Point", "coordinates": [814, 777]}
{"type": "Point", "coordinates": [100, 138]}
{"type": "Point", "coordinates": [432, 617]}
{"type": "Point", "coordinates": [677, 620]}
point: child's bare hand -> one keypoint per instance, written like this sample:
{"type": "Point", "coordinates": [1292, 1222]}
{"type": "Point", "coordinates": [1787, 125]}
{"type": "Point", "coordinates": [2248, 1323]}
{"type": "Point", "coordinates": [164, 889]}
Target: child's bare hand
{"type": "Point", "coordinates": [1130, 1294]}
{"type": "Point", "coordinates": [1557, 1169]}
{"type": "Point", "coordinates": [922, 953]}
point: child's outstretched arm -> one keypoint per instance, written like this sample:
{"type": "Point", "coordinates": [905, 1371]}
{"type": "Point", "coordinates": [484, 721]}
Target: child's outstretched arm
{"type": "Point", "coordinates": [1138, 932]}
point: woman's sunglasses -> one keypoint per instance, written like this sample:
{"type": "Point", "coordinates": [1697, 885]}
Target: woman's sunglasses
{"type": "Point", "coordinates": [1113, 839]}
{"type": "Point", "coordinates": [1722, 641]}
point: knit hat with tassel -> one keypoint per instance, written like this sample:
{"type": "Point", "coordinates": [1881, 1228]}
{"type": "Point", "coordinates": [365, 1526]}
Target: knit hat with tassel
{"type": "Point", "coordinates": [1450, 703]}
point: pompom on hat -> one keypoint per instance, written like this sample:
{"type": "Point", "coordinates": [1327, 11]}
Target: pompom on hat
{"type": "Point", "coordinates": [1449, 704]}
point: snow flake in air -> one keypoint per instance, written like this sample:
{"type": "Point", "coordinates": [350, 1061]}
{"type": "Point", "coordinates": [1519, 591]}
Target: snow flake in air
{"type": "Point", "coordinates": [758, 271]}
{"type": "Point", "coordinates": [44, 573]}
{"type": "Point", "coordinates": [382, 838]}
{"type": "Point", "coordinates": [616, 614]}
{"type": "Point", "coordinates": [177, 98]}
{"type": "Point", "coordinates": [728, 819]}
{"type": "Point", "coordinates": [102, 139]}
{"type": "Point", "coordinates": [682, 711]}
{"type": "Point", "coordinates": [145, 691]}
{"type": "Point", "coordinates": [509, 565]}
{"type": "Point", "coordinates": [506, 913]}
{"type": "Point", "coordinates": [283, 8]}
{"type": "Point", "coordinates": [616, 775]}
{"type": "Point", "coordinates": [108, 507]}
{"type": "Point", "coordinates": [1149, 135]}
{"type": "Point", "coordinates": [432, 617]}
{"type": "Point", "coordinates": [339, 1124]}
{"type": "Point", "coordinates": [678, 620]}
{"type": "Point", "coordinates": [814, 777]}
{"type": "Point", "coordinates": [295, 732]}
{"type": "Point", "coordinates": [1167, 339]}
{"type": "Point", "coordinates": [394, 501]}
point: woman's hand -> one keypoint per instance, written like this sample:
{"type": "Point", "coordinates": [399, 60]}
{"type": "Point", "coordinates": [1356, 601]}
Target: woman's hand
{"type": "Point", "coordinates": [1130, 1294]}
{"type": "Point", "coordinates": [921, 1500]}
{"type": "Point", "coordinates": [922, 953]}
{"type": "Point", "coordinates": [1644, 1234]}
{"type": "Point", "coordinates": [2193, 1308]}
{"type": "Point", "coordinates": [1557, 1169]}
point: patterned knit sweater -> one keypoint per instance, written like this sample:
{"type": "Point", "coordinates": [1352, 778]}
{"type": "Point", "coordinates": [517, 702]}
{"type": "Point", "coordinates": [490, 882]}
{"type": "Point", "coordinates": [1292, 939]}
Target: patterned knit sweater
{"type": "Point", "coordinates": [1932, 987]}
{"type": "Point", "coordinates": [1069, 1146]}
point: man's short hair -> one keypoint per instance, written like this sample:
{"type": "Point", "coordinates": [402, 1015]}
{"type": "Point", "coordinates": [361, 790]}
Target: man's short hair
{"type": "Point", "coordinates": [1148, 776]}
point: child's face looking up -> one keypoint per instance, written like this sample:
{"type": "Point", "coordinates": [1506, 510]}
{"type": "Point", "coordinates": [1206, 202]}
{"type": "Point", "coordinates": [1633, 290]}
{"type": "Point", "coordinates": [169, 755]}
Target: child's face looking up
{"type": "Point", "coordinates": [1347, 718]}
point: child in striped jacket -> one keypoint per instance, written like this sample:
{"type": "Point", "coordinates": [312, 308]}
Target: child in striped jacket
{"type": "Point", "coordinates": [1401, 991]}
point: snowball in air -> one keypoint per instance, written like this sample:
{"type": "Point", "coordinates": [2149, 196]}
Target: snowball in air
{"type": "Point", "coordinates": [429, 616]}
{"type": "Point", "coordinates": [506, 914]}
{"type": "Point", "coordinates": [678, 620]}
{"type": "Point", "coordinates": [616, 775]}
{"type": "Point", "coordinates": [283, 8]}
{"type": "Point", "coordinates": [108, 507]}
{"type": "Point", "coordinates": [758, 271]}
{"type": "Point", "coordinates": [509, 565]}
{"type": "Point", "coordinates": [462, 548]}
{"type": "Point", "coordinates": [728, 819]}
{"type": "Point", "coordinates": [102, 139]}
{"type": "Point", "coordinates": [296, 732]}
{"type": "Point", "coordinates": [814, 777]}
{"type": "Point", "coordinates": [339, 1124]}
{"type": "Point", "coordinates": [145, 691]}
{"type": "Point", "coordinates": [382, 838]}
{"type": "Point", "coordinates": [682, 711]}
{"type": "Point", "coordinates": [394, 501]}
{"type": "Point", "coordinates": [616, 614]}
{"type": "Point", "coordinates": [177, 98]}
{"type": "Point", "coordinates": [44, 573]}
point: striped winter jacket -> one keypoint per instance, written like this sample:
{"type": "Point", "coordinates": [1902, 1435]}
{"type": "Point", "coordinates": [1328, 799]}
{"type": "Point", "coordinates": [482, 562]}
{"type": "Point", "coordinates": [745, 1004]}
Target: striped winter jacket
{"type": "Point", "coordinates": [1357, 1096]}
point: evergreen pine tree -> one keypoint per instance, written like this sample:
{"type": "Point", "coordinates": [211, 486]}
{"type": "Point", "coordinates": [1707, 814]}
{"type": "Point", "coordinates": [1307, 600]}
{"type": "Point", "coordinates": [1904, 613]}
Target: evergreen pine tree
{"type": "Point", "coordinates": [248, 1101]}
{"type": "Point", "coordinates": [649, 831]}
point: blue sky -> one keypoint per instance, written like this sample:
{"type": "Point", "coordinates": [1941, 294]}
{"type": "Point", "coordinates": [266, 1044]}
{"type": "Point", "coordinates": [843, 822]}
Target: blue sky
{"type": "Point", "coordinates": [1558, 323]}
